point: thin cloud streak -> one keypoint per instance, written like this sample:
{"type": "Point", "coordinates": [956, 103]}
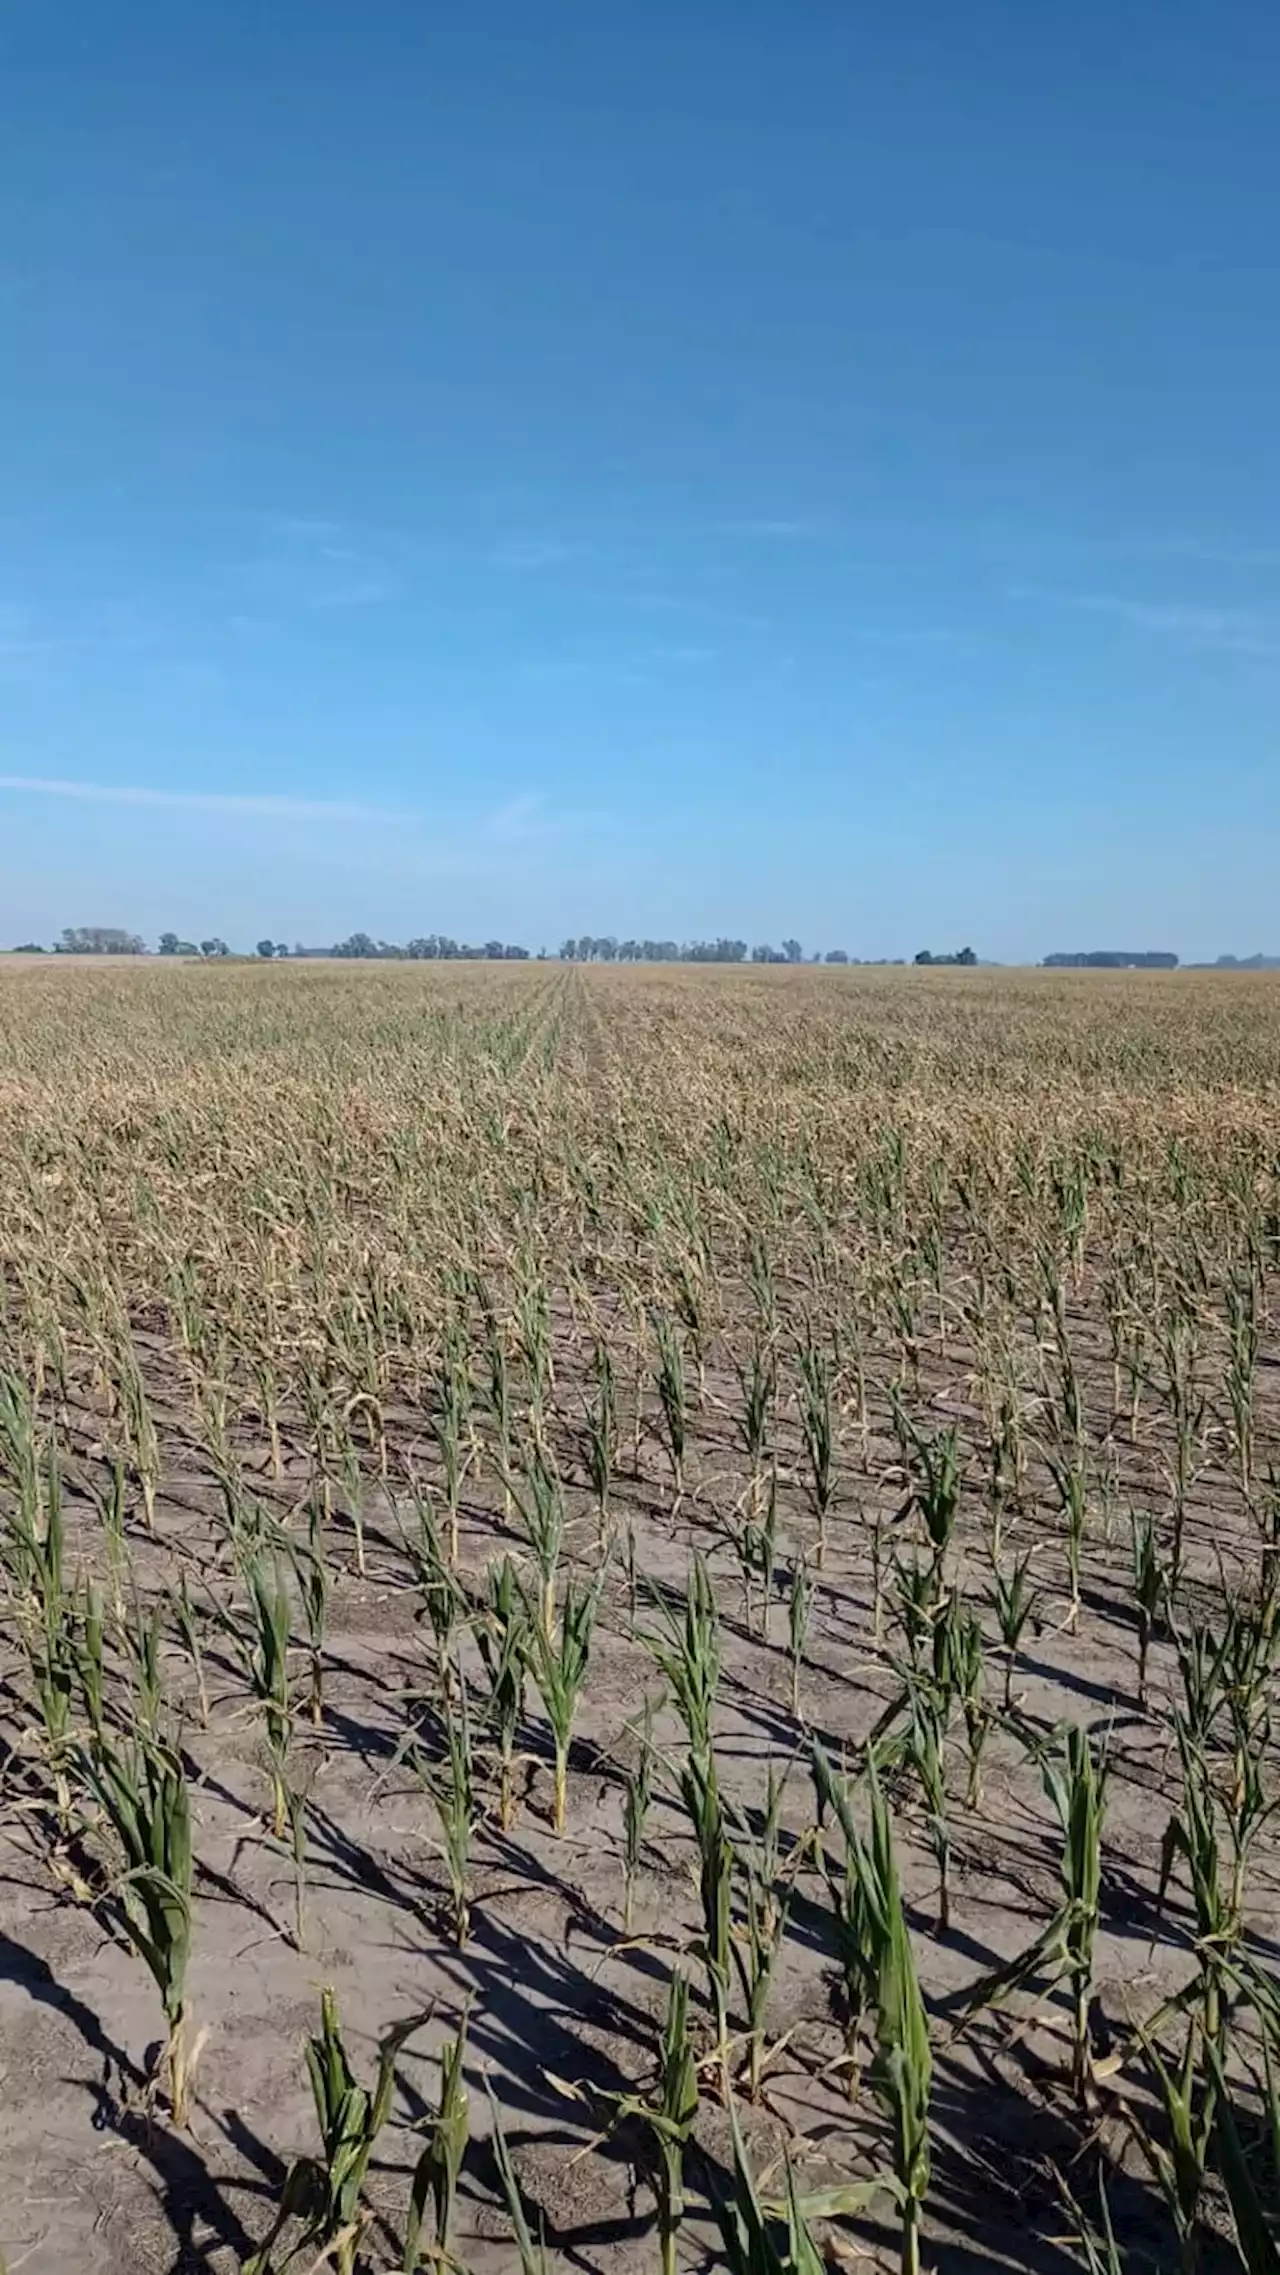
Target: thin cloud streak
{"type": "Point", "coordinates": [261, 806]}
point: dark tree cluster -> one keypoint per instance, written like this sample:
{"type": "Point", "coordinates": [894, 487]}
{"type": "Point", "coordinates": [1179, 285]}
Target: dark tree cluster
{"type": "Point", "coordinates": [436, 947]}
{"type": "Point", "coordinates": [1114, 960]}
{"type": "Point", "coordinates": [609, 950]}
{"type": "Point", "coordinates": [961, 956]}
{"type": "Point", "coordinates": [99, 940]}
{"type": "Point", "coordinates": [171, 945]}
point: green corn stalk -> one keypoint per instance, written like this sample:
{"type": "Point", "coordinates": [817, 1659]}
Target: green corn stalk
{"type": "Point", "coordinates": [1188, 2103]}
{"type": "Point", "coordinates": [141, 1789]}
{"type": "Point", "coordinates": [1254, 2214]}
{"type": "Point", "coordinates": [668, 2114]}
{"type": "Point", "coordinates": [902, 2071]}
{"type": "Point", "coordinates": [636, 1798]}
{"type": "Point", "coordinates": [799, 1609]}
{"type": "Point", "coordinates": [758, 1935]}
{"type": "Point", "coordinates": [601, 1436]}
{"type": "Point", "coordinates": [1072, 1486]}
{"type": "Point", "coordinates": [1244, 1339]}
{"type": "Point", "coordinates": [188, 1629]}
{"type": "Point", "coordinates": [673, 1399]}
{"type": "Point", "coordinates": [853, 1930]}
{"type": "Point", "coordinates": [937, 1481]}
{"type": "Point", "coordinates": [353, 1486]}
{"type": "Point", "coordinates": [443, 1599]}
{"type": "Point", "coordinates": [450, 1426]}
{"type": "Point", "coordinates": [923, 1746]}
{"type": "Point", "coordinates": [311, 1573]}
{"type": "Point", "coordinates": [532, 2256]}
{"type": "Point", "coordinates": [263, 1650]}
{"type": "Point", "coordinates": [435, 2179]}
{"type": "Point", "coordinates": [1192, 1835]}
{"type": "Point", "coordinates": [758, 1384]}
{"type": "Point", "coordinates": [559, 1669]}
{"type": "Point", "coordinates": [499, 1397]}
{"type": "Point", "coordinates": [700, 1791]}
{"type": "Point", "coordinates": [760, 2238]}
{"type": "Point", "coordinates": [1148, 1590]}
{"type": "Point", "coordinates": [757, 1546]}
{"type": "Point", "coordinates": [142, 1638]}
{"type": "Point", "coordinates": [1203, 1664]}
{"type": "Point", "coordinates": [688, 1654]}
{"type": "Point", "coordinates": [818, 1430]}
{"type": "Point", "coordinates": [452, 1792]}
{"type": "Point", "coordinates": [502, 1637]}
{"type": "Point", "coordinates": [110, 1502]}
{"type": "Point", "coordinates": [87, 1644]}
{"type": "Point", "coordinates": [45, 1624]}
{"type": "Point", "coordinates": [539, 1502]}
{"type": "Point", "coordinates": [1063, 1951]}
{"type": "Point", "coordinates": [324, 2192]}
{"type": "Point", "coordinates": [916, 1591]}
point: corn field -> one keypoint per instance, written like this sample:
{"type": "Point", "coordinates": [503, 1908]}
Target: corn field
{"type": "Point", "coordinates": [639, 1620]}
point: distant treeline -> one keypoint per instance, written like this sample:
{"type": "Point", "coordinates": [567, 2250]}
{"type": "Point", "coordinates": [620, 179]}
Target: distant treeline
{"type": "Point", "coordinates": [1115, 960]}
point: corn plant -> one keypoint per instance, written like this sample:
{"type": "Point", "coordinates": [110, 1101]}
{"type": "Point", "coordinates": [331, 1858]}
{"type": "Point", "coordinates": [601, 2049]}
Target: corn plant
{"type": "Point", "coordinates": [757, 1544]}
{"type": "Point", "coordinates": [452, 1792]}
{"type": "Point", "coordinates": [799, 1609]}
{"type": "Point", "coordinates": [758, 1383]}
{"type": "Point", "coordinates": [1188, 2103]}
{"type": "Point", "coordinates": [667, 2113]}
{"type": "Point", "coordinates": [262, 1646]}
{"type": "Point", "coordinates": [637, 1796]}
{"type": "Point", "coordinates": [450, 1426]}
{"type": "Point", "coordinates": [759, 2238]}
{"type": "Point", "coordinates": [539, 1501]}
{"type": "Point", "coordinates": [502, 1637]}
{"type": "Point", "coordinates": [759, 1931]}
{"type": "Point", "coordinates": [700, 1791]}
{"type": "Point", "coordinates": [1149, 1587]}
{"type": "Point", "coordinates": [141, 1788]}
{"type": "Point", "coordinates": [141, 1637]}
{"type": "Point", "coordinates": [601, 1434]}
{"type": "Point", "coordinates": [673, 1395]}
{"type": "Point", "coordinates": [435, 2179]}
{"type": "Point", "coordinates": [324, 2192]}
{"type": "Point", "coordinates": [559, 1668]}
{"type": "Point", "coordinates": [936, 1480]}
{"type": "Point", "coordinates": [1072, 1487]}
{"type": "Point", "coordinates": [688, 1654]}
{"type": "Point", "coordinates": [818, 1430]}
{"type": "Point", "coordinates": [532, 2256]}
{"type": "Point", "coordinates": [311, 1573]}
{"type": "Point", "coordinates": [187, 1625]}
{"type": "Point", "coordinates": [902, 2070]}
{"type": "Point", "coordinates": [443, 1599]}
{"type": "Point", "coordinates": [1075, 1783]}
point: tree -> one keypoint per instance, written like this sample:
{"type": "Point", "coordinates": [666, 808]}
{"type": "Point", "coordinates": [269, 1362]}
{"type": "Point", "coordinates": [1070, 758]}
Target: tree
{"type": "Point", "coordinates": [792, 951]}
{"type": "Point", "coordinates": [99, 940]}
{"type": "Point", "coordinates": [925, 956]}
{"type": "Point", "coordinates": [266, 948]}
{"type": "Point", "coordinates": [966, 956]}
{"type": "Point", "coordinates": [27, 948]}
{"type": "Point", "coordinates": [169, 944]}
{"type": "Point", "coordinates": [214, 947]}
{"type": "Point", "coordinates": [837, 956]}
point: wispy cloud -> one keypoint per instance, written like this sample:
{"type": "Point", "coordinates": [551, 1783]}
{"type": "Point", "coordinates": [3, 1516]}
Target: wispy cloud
{"type": "Point", "coordinates": [1233, 631]}
{"type": "Point", "coordinates": [263, 806]}
{"type": "Point", "coordinates": [1225, 631]}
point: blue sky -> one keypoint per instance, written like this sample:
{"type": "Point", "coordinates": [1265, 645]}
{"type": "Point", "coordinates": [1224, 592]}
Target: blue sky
{"type": "Point", "coordinates": [531, 468]}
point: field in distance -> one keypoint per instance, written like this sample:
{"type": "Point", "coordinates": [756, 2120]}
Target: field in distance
{"type": "Point", "coordinates": [705, 1540]}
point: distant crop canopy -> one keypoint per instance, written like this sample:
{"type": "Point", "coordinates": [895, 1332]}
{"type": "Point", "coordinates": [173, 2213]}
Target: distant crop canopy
{"type": "Point", "coordinates": [1114, 960]}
